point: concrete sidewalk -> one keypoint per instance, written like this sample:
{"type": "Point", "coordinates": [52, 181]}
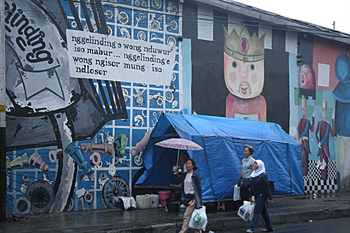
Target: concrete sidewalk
{"type": "Point", "coordinates": [285, 210]}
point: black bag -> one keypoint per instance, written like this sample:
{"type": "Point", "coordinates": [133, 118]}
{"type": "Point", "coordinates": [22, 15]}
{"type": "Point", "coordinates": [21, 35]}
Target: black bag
{"type": "Point", "coordinates": [244, 183]}
{"type": "Point", "coordinates": [186, 198]}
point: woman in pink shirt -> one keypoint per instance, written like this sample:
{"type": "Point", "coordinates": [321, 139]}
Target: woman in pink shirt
{"type": "Point", "coordinates": [191, 194]}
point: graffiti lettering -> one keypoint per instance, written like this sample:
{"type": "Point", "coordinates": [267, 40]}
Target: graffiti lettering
{"type": "Point", "coordinates": [79, 49]}
{"type": "Point", "coordinates": [133, 47]}
{"type": "Point", "coordinates": [122, 58]}
{"type": "Point", "coordinates": [105, 62]}
{"type": "Point", "coordinates": [134, 67]}
{"type": "Point", "coordinates": [151, 49]}
{"type": "Point", "coordinates": [86, 69]}
{"type": "Point", "coordinates": [28, 36]}
{"type": "Point", "coordinates": [143, 57]}
{"type": "Point", "coordinates": [157, 69]}
{"type": "Point", "coordinates": [91, 40]}
{"type": "Point", "coordinates": [82, 60]}
{"type": "Point", "coordinates": [99, 51]}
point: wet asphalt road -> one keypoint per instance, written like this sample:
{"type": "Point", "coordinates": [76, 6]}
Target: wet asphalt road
{"type": "Point", "coordinates": [338, 225]}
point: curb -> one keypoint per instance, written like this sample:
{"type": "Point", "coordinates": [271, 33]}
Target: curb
{"type": "Point", "coordinates": [279, 219]}
{"type": "Point", "coordinates": [158, 228]}
{"type": "Point", "coordinates": [236, 223]}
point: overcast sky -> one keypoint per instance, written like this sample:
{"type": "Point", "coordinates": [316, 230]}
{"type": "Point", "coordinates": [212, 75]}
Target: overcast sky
{"type": "Point", "coordinates": [318, 12]}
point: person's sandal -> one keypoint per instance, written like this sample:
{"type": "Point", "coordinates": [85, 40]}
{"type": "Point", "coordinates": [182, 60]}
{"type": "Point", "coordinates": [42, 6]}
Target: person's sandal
{"type": "Point", "coordinates": [267, 230]}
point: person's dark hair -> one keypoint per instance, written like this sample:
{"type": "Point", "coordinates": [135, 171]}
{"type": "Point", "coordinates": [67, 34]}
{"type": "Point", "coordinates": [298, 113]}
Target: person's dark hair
{"type": "Point", "coordinates": [193, 163]}
{"type": "Point", "coordinates": [250, 148]}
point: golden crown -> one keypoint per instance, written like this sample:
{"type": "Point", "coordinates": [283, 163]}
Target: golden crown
{"type": "Point", "coordinates": [244, 47]}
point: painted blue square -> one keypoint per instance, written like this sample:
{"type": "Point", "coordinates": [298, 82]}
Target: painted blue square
{"type": "Point", "coordinates": [156, 99]}
{"type": "Point", "coordinates": [109, 12]}
{"type": "Point", "coordinates": [155, 86]}
{"type": "Point", "coordinates": [139, 118]}
{"type": "Point", "coordinates": [123, 16]}
{"type": "Point", "coordinates": [123, 122]}
{"type": "Point", "coordinates": [123, 32]}
{"type": "Point", "coordinates": [174, 82]}
{"type": "Point", "coordinates": [140, 19]}
{"type": "Point", "coordinates": [123, 161]}
{"type": "Point", "coordinates": [127, 95]}
{"type": "Point", "coordinates": [140, 35]}
{"type": "Point", "coordinates": [154, 116]}
{"type": "Point", "coordinates": [155, 22]}
{"type": "Point", "coordinates": [172, 6]}
{"type": "Point", "coordinates": [171, 40]}
{"type": "Point", "coordinates": [66, 8]}
{"type": "Point", "coordinates": [157, 5]}
{"type": "Point", "coordinates": [140, 97]}
{"type": "Point", "coordinates": [174, 101]}
{"type": "Point", "coordinates": [111, 29]}
{"type": "Point", "coordinates": [137, 135]}
{"type": "Point", "coordinates": [172, 24]}
{"type": "Point", "coordinates": [141, 3]}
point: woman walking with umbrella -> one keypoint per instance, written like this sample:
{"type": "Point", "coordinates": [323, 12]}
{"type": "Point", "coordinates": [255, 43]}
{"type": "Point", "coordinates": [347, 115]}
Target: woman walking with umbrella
{"type": "Point", "coordinates": [191, 191]}
{"type": "Point", "coordinates": [191, 186]}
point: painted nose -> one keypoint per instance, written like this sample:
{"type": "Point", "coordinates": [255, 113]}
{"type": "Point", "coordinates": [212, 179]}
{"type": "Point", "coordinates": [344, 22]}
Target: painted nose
{"type": "Point", "coordinates": [244, 71]}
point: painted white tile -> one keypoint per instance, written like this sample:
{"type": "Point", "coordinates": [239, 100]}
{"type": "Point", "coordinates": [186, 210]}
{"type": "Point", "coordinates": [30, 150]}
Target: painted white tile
{"type": "Point", "coordinates": [291, 42]}
{"type": "Point", "coordinates": [323, 75]}
{"type": "Point", "coordinates": [234, 23]}
{"type": "Point", "coordinates": [205, 23]}
{"type": "Point", "coordinates": [268, 36]}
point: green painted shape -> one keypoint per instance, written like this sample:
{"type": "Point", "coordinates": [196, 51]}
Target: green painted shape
{"type": "Point", "coordinates": [319, 98]}
{"type": "Point", "coordinates": [297, 100]}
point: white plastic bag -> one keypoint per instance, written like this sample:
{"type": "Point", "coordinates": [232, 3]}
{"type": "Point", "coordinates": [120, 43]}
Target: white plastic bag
{"type": "Point", "coordinates": [128, 202]}
{"type": "Point", "coordinates": [246, 211]}
{"type": "Point", "coordinates": [251, 210]}
{"type": "Point", "coordinates": [237, 193]}
{"type": "Point", "coordinates": [198, 219]}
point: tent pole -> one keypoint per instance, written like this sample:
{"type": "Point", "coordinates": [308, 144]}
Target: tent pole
{"type": "Point", "coordinates": [177, 161]}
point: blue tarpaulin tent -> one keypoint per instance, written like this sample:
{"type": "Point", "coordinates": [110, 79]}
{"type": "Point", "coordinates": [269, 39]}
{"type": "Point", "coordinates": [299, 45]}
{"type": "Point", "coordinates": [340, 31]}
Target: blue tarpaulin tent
{"type": "Point", "coordinates": [219, 163]}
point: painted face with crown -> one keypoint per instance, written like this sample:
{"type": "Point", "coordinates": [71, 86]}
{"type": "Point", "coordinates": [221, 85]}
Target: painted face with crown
{"type": "Point", "coordinates": [244, 64]}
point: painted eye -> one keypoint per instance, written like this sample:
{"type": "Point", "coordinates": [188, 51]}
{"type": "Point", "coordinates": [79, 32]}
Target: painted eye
{"type": "Point", "coordinates": [252, 67]}
{"type": "Point", "coordinates": [234, 64]}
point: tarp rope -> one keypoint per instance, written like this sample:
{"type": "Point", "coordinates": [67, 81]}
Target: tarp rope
{"type": "Point", "coordinates": [290, 171]}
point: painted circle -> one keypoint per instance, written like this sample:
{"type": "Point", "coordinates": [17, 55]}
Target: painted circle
{"type": "Point", "coordinates": [41, 196]}
{"type": "Point", "coordinates": [112, 189]}
{"type": "Point", "coordinates": [293, 131]}
{"type": "Point", "coordinates": [22, 206]}
{"type": "Point", "coordinates": [53, 156]}
{"type": "Point", "coordinates": [103, 176]}
{"type": "Point", "coordinates": [95, 158]}
{"type": "Point", "coordinates": [88, 197]}
{"type": "Point", "coordinates": [342, 68]}
{"type": "Point", "coordinates": [138, 160]}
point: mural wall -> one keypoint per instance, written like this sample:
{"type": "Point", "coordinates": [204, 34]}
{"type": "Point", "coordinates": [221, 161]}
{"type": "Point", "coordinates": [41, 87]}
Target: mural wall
{"type": "Point", "coordinates": [265, 73]}
{"type": "Point", "coordinates": [321, 100]}
{"type": "Point", "coordinates": [86, 82]}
